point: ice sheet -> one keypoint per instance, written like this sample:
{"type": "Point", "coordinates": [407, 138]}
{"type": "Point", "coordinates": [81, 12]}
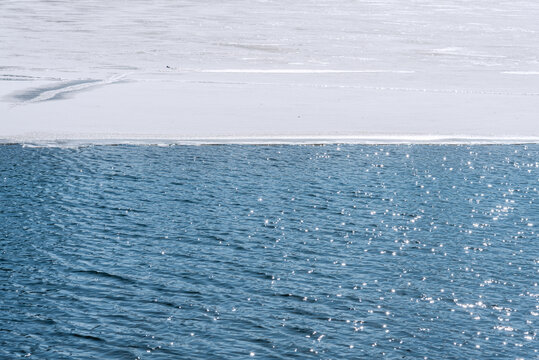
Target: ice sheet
{"type": "Point", "coordinates": [269, 69]}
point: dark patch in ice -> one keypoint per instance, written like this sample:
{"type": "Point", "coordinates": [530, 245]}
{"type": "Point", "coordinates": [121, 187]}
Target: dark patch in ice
{"type": "Point", "coordinates": [117, 67]}
{"type": "Point", "coordinates": [14, 77]}
{"type": "Point", "coordinates": [10, 67]}
{"type": "Point", "coordinates": [61, 90]}
{"type": "Point", "coordinates": [8, 77]}
{"type": "Point", "coordinates": [33, 94]}
{"type": "Point", "coordinates": [255, 47]}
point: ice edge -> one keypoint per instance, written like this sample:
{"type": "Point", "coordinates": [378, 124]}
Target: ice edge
{"type": "Point", "coordinates": [268, 140]}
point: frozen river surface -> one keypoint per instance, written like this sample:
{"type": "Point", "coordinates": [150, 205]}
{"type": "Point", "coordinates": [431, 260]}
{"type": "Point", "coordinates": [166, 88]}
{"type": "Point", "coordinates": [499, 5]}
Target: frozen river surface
{"type": "Point", "coordinates": [185, 69]}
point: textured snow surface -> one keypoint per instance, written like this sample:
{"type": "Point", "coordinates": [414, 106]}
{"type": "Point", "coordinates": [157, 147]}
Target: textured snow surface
{"type": "Point", "coordinates": [386, 70]}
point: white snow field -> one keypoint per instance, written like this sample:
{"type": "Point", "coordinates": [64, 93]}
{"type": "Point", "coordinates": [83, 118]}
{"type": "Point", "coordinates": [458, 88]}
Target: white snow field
{"type": "Point", "coordinates": [269, 71]}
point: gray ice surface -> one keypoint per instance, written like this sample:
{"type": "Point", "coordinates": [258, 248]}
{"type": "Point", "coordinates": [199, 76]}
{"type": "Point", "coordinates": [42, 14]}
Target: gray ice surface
{"type": "Point", "coordinates": [386, 69]}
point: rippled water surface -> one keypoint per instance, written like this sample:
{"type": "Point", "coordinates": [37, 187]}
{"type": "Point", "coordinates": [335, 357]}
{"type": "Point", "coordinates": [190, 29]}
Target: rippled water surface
{"type": "Point", "coordinates": [124, 252]}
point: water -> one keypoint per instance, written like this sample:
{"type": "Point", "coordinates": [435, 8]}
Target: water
{"type": "Point", "coordinates": [113, 252]}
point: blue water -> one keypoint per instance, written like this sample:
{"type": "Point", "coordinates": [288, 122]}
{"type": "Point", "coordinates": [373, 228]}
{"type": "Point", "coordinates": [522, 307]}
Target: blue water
{"type": "Point", "coordinates": [226, 252]}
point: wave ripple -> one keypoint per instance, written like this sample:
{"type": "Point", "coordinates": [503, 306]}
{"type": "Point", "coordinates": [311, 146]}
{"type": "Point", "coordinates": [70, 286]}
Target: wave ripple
{"type": "Point", "coordinates": [233, 251]}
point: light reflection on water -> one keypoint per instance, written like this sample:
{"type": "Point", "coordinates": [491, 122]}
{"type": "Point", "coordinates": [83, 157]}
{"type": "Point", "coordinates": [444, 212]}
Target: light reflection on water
{"type": "Point", "coordinates": [269, 251]}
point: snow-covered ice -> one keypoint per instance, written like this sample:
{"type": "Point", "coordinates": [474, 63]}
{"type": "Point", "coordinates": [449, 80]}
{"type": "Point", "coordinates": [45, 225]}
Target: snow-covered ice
{"type": "Point", "coordinates": [367, 71]}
